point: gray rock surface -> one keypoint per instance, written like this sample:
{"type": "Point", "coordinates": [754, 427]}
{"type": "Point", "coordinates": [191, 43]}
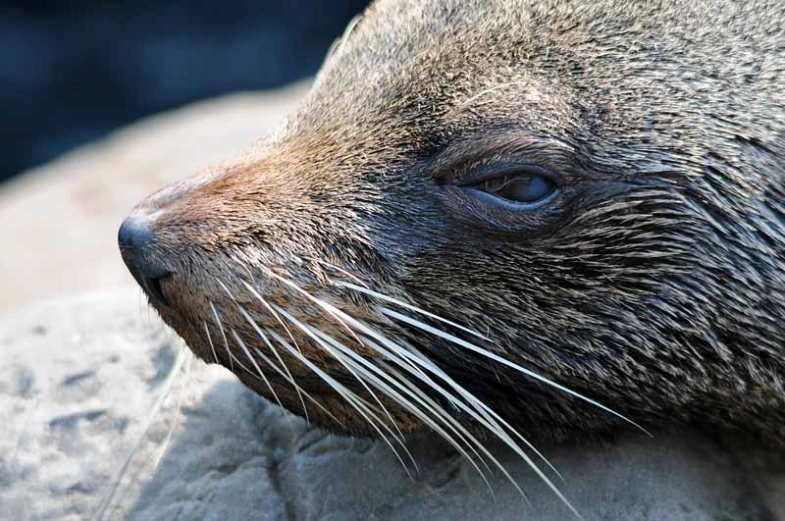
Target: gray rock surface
{"type": "Point", "coordinates": [80, 378]}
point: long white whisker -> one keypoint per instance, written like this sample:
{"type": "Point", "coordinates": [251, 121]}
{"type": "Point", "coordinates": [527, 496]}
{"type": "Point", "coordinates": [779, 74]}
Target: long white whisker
{"type": "Point", "coordinates": [178, 408]}
{"type": "Point", "coordinates": [366, 330]}
{"type": "Point", "coordinates": [489, 414]}
{"type": "Point", "coordinates": [458, 341]}
{"type": "Point", "coordinates": [355, 323]}
{"type": "Point", "coordinates": [342, 272]}
{"type": "Point", "coordinates": [259, 332]}
{"type": "Point", "coordinates": [269, 308]}
{"type": "Point", "coordinates": [223, 333]}
{"type": "Point", "coordinates": [305, 329]}
{"type": "Point", "coordinates": [494, 428]}
{"type": "Point", "coordinates": [488, 354]}
{"type": "Point", "coordinates": [210, 341]}
{"type": "Point", "coordinates": [287, 376]}
{"type": "Point", "coordinates": [272, 312]}
{"type": "Point", "coordinates": [169, 433]}
{"type": "Point", "coordinates": [358, 403]}
{"type": "Point", "coordinates": [454, 425]}
{"type": "Point", "coordinates": [316, 402]}
{"type": "Point", "coordinates": [261, 373]}
{"type": "Point", "coordinates": [107, 498]}
{"type": "Point", "coordinates": [489, 417]}
{"type": "Point", "coordinates": [267, 305]}
{"type": "Point", "coordinates": [387, 298]}
{"type": "Point", "coordinates": [412, 365]}
{"type": "Point", "coordinates": [255, 326]}
{"type": "Point", "coordinates": [351, 353]}
{"type": "Point", "coordinates": [431, 405]}
{"type": "Point", "coordinates": [464, 434]}
{"type": "Point", "coordinates": [410, 307]}
{"type": "Point", "coordinates": [489, 424]}
{"type": "Point", "coordinates": [378, 377]}
{"type": "Point", "coordinates": [337, 318]}
{"type": "Point", "coordinates": [333, 310]}
{"type": "Point", "coordinates": [263, 377]}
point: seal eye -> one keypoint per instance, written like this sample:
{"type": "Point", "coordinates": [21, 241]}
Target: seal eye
{"type": "Point", "coordinates": [520, 187]}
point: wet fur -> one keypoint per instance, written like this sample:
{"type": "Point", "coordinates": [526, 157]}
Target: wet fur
{"type": "Point", "coordinates": [655, 284]}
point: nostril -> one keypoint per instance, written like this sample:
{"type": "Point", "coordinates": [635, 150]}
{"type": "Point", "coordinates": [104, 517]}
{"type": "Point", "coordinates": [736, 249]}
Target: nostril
{"type": "Point", "coordinates": [136, 238]}
{"type": "Point", "coordinates": [135, 233]}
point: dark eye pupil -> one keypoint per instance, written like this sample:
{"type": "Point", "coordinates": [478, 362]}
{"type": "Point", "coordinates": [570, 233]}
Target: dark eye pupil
{"type": "Point", "coordinates": [525, 188]}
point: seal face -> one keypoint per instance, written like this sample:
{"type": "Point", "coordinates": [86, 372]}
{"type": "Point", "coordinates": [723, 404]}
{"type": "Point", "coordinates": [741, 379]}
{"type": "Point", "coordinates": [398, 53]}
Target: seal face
{"type": "Point", "coordinates": [500, 215]}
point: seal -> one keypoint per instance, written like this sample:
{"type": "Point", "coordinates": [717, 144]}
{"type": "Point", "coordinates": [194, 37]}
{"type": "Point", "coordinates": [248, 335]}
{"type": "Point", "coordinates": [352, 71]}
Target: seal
{"type": "Point", "coordinates": [534, 219]}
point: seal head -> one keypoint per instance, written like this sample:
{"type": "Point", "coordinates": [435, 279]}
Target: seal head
{"type": "Point", "coordinates": [499, 214]}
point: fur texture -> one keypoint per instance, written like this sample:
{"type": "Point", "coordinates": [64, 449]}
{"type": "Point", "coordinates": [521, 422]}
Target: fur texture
{"type": "Point", "coordinates": [654, 282]}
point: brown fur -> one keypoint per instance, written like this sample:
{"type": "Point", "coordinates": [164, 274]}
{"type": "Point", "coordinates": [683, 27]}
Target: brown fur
{"type": "Point", "coordinates": [654, 283]}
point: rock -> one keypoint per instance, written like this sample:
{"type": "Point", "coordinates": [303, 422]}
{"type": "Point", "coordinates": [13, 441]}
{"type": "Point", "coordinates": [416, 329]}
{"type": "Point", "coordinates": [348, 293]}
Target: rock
{"type": "Point", "coordinates": [80, 381]}
{"type": "Point", "coordinates": [59, 222]}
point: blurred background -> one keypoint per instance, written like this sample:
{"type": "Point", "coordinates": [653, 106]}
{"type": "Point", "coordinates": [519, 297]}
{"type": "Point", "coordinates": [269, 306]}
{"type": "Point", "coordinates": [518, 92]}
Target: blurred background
{"type": "Point", "coordinates": [105, 102]}
{"type": "Point", "coordinates": [72, 70]}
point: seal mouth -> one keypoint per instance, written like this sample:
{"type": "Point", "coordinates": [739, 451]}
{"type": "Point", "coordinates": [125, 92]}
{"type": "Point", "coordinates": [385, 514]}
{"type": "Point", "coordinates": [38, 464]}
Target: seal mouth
{"type": "Point", "coordinates": [152, 287]}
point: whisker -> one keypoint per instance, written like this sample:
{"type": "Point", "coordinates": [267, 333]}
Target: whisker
{"type": "Point", "coordinates": [223, 333]}
{"type": "Point", "coordinates": [266, 304]}
{"type": "Point", "coordinates": [272, 312]}
{"type": "Point", "coordinates": [482, 93]}
{"type": "Point", "coordinates": [494, 428]}
{"type": "Point", "coordinates": [491, 416]}
{"type": "Point", "coordinates": [464, 435]}
{"type": "Point", "coordinates": [360, 405]}
{"type": "Point", "coordinates": [170, 432]}
{"type": "Point", "coordinates": [210, 341]}
{"type": "Point", "coordinates": [178, 408]}
{"type": "Point", "coordinates": [488, 422]}
{"type": "Point", "coordinates": [305, 329]}
{"type": "Point", "coordinates": [337, 318]}
{"type": "Point", "coordinates": [106, 500]}
{"type": "Point", "coordinates": [488, 354]}
{"type": "Point", "coordinates": [379, 376]}
{"type": "Point", "coordinates": [316, 402]}
{"type": "Point", "coordinates": [458, 341]}
{"type": "Point", "coordinates": [335, 311]}
{"type": "Point", "coordinates": [453, 425]}
{"type": "Point", "coordinates": [290, 378]}
{"type": "Point", "coordinates": [486, 411]}
{"type": "Point", "coordinates": [343, 272]}
{"type": "Point", "coordinates": [255, 326]}
{"type": "Point", "coordinates": [410, 307]}
{"type": "Point", "coordinates": [462, 343]}
{"type": "Point", "coordinates": [261, 373]}
{"type": "Point", "coordinates": [398, 349]}
{"type": "Point", "coordinates": [250, 372]}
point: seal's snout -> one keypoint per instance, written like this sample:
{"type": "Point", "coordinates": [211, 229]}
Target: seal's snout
{"type": "Point", "coordinates": [135, 234]}
{"type": "Point", "coordinates": [137, 246]}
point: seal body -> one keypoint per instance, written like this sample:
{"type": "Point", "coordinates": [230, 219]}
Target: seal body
{"type": "Point", "coordinates": [384, 263]}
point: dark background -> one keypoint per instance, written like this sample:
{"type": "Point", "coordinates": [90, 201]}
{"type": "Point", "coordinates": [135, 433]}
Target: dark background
{"type": "Point", "coordinates": [72, 70]}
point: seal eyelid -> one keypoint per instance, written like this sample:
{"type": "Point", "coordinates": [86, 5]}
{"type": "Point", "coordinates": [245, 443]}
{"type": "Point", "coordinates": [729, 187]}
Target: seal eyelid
{"type": "Point", "coordinates": [523, 187]}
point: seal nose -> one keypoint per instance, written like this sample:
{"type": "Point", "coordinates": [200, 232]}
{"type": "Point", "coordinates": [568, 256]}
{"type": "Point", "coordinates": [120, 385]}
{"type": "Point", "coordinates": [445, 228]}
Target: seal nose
{"type": "Point", "coordinates": [135, 234]}
{"type": "Point", "coordinates": [136, 238]}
